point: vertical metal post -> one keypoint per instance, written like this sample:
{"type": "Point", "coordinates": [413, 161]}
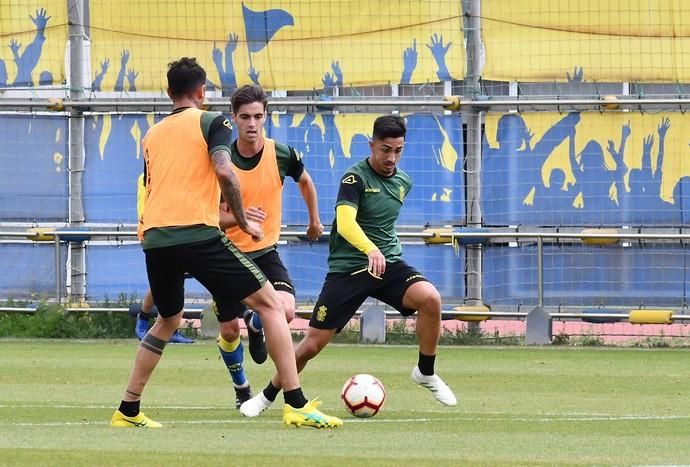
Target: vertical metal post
{"type": "Point", "coordinates": [77, 250]}
{"type": "Point", "coordinates": [540, 271]}
{"type": "Point", "coordinates": [58, 271]}
{"type": "Point", "coordinates": [473, 162]}
{"type": "Point", "coordinates": [539, 324]}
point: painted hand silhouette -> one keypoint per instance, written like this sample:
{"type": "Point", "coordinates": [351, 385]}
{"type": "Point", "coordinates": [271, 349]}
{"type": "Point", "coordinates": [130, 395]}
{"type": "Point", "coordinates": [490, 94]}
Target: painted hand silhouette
{"type": "Point", "coordinates": [41, 19]}
{"type": "Point", "coordinates": [439, 51]}
{"type": "Point", "coordinates": [663, 127]}
{"type": "Point", "coordinates": [611, 148]}
{"type": "Point", "coordinates": [335, 66]}
{"type": "Point", "coordinates": [254, 75]}
{"type": "Point", "coordinates": [577, 77]}
{"type": "Point", "coordinates": [120, 80]}
{"type": "Point", "coordinates": [96, 85]}
{"type": "Point", "coordinates": [409, 62]}
{"type": "Point", "coordinates": [328, 81]}
{"type": "Point", "coordinates": [217, 55]}
{"type": "Point", "coordinates": [14, 47]}
{"type": "Point", "coordinates": [131, 78]}
{"type": "Point", "coordinates": [647, 144]}
{"type": "Point", "coordinates": [231, 44]}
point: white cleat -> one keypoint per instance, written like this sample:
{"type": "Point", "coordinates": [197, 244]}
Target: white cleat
{"type": "Point", "coordinates": [254, 406]}
{"type": "Point", "coordinates": [435, 384]}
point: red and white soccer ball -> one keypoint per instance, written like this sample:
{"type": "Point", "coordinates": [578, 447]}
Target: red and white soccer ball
{"type": "Point", "coordinates": [363, 395]}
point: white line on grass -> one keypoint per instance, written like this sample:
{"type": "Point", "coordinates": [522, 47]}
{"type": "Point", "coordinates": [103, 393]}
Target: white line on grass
{"type": "Point", "coordinates": [385, 420]}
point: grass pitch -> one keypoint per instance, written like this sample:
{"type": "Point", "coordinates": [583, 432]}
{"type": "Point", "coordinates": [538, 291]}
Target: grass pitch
{"type": "Point", "coordinates": [517, 406]}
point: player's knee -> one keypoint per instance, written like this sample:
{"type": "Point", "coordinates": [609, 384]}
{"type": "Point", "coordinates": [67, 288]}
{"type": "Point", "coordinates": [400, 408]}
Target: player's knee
{"type": "Point", "coordinates": [170, 322]}
{"type": "Point", "coordinates": [230, 330]}
{"type": "Point", "coordinates": [288, 302]}
{"type": "Point", "coordinates": [431, 301]}
{"type": "Point", "coordinates": [269, 305]}
{"type": "Point", "coordinates": [289, 311]}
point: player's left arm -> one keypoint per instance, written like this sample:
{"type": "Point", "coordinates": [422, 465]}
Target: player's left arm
{"type": "Point", "coordinates": [291, 165]}
{"type": "Point", "coordinates": [308, 191]}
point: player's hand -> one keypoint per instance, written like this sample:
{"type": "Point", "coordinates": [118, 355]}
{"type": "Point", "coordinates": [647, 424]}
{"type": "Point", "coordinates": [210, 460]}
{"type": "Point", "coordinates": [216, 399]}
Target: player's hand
{"type": "Point", "coordinates": [314, 231]}
{"type": "Point", "coordinates": [255, 214]}
{"type": "Point", "coordinates": [377, 263]}
{"type": "Point", "coordinates": [254, 230]}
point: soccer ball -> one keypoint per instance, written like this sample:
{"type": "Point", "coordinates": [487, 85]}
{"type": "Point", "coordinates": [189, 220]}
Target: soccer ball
{"type": "Point", "coordinates": [363, 395]}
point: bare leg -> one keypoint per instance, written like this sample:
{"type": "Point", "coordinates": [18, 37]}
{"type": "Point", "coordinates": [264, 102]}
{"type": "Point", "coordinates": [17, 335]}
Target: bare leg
{"type": "Point", "coordinates": [288, 301]}
{"type": "Point", "coordinates": [312, 344]}
{"type": "Point", "coordinates": [147, 302]}
{"type": "Point", "coordinates": [423, 297]}
{"type": "Point", "coordinates": [146, 360]}
{"type": "Point", "coordinates": [230, 330]}
{"type": "Point", "coordinates": [266, 303]}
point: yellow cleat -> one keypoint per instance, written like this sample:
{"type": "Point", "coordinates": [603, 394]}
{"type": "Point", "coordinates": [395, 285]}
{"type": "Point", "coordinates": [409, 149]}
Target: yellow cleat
{"type": "Point", "coordinates": [120, 420]}
{"type": "Point", "coordinates": [309, 415]}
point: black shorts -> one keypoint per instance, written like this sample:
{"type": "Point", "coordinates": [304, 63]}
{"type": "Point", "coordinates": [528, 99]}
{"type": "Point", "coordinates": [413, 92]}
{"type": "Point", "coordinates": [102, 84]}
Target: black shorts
{"type": "Point", "coordinates": [227, 273]}
{"type": "Point", "coordinates": [276, 273]}
{"type": "Point", "coordinates": [343, 293]}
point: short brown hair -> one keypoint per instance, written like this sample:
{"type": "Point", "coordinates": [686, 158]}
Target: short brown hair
{"type": "Point", "coordinates": [246, 95]}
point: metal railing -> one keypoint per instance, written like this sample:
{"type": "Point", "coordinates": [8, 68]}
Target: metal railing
{"type": "Point", "coordinates": [608, 102]}
{"type": "Point", "coordinates": [446, 235]}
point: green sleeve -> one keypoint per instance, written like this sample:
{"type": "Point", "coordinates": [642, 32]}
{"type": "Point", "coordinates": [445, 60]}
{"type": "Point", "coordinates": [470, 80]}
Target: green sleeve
{"type": "Point", "coordinates": [289, 162]}
{"type": "Point", "coordinates": [217, 131]}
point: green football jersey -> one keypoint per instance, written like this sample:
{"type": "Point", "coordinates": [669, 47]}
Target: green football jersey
{"type": "Point", "coordinates": [378, 201]}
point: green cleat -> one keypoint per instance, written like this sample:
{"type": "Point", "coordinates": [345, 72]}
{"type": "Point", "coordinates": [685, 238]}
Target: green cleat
{"type": "Point", "coordinates": [309, 415]}
{"type": "Point", "coordinates": [120, 420]}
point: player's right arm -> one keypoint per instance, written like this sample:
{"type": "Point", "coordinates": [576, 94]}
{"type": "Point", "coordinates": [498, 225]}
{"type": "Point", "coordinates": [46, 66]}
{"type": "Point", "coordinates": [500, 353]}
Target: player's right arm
{"type": "Point", "coordinates": [218, 133]}
{"type": "Point", "coordinates": [227, 218]}
{"type": "Point", "coordinates": [351, 189]}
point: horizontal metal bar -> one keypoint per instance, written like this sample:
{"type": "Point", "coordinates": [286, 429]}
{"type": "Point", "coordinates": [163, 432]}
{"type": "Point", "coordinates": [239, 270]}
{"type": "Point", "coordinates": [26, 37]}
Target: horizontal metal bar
{"type": "Point", "coordinates": [66, 234]}
{"type": "Point", "coordinates": [619, 100]}
{"type": "Point", "coordinates": [304, 312]}
{"type": "Point", "coordinates": [15, 309]}
{"type": "Point", "coordinates": [326, 233]}
{"type": "Point", "coordinates": [575, 235]}
{"type": "Point", "coordinates": [624, 101]}
{"type": "Point", "coordinates": [59, 105]}
{"type": "Point", "coordinates": [32, 309]}
{"type": "Point", "coordinates": [15, 234]}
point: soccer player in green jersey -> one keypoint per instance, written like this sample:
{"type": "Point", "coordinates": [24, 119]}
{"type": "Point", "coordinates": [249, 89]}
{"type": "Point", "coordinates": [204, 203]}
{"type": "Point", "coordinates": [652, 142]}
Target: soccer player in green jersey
{"type": "Point", "coordinates": [365, 260]}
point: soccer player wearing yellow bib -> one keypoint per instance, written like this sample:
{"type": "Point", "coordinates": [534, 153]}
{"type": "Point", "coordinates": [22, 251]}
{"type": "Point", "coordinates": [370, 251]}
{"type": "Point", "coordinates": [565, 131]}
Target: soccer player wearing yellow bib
{"type": "Point", "coordinates": [261, 166]}
{"type": "Point", "coordinates": [365, 260]}
{"type": "Point", "coordinates": [187, 168]}
{"type": "Point", "coordinates": [147, 307]}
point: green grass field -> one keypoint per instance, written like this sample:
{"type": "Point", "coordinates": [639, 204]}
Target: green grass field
{"type": "Point", "coordinates": [517, 406]}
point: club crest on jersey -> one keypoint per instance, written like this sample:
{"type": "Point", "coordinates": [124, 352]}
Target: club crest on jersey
{"type": "Point", "coordinates": [321, 313]}
{"type": "Point", "coordinates": [349, 180]}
